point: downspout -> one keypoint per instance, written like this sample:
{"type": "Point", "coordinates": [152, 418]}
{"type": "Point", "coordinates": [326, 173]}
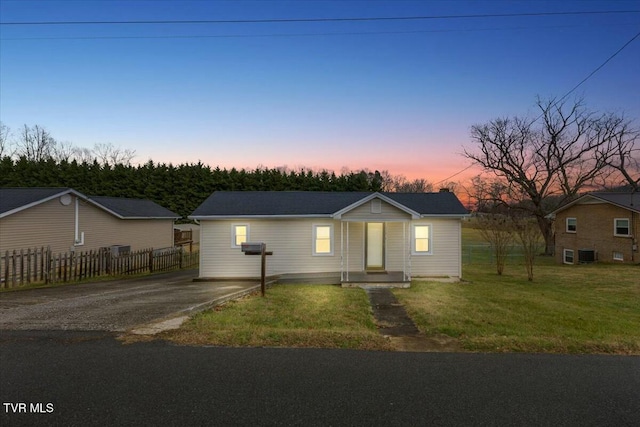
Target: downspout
{"type": "Point", "coordinates": [634, 231]}
{"type": "Point", "coordinates": [634, 237]}
{"type": "Point", "coordinates": [79, 237]}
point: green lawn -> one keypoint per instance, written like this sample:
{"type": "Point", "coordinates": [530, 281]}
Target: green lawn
{"type": "Point", "coordinates": [566, 309]}
{"type": "Point", "coordinates": [288, 316]}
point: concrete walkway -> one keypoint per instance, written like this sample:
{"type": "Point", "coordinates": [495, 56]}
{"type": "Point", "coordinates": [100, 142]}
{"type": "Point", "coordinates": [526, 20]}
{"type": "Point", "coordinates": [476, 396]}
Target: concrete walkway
{"type": "Point", "coordinates": [394, 323]}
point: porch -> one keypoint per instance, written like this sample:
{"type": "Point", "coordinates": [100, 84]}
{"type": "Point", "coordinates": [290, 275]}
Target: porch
{"type": "Point", "coordinates": [375, 253]}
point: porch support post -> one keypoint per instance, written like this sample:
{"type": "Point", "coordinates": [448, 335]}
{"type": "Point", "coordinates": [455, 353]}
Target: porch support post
{"type": "Point", "coordinates": [410, 243]}
{"type": "Point", "coordinates": [347, 251]}
{"type": "Point", "coordinates": [404, 250]}
{"type": "Point", "coordinates": [341, 251]}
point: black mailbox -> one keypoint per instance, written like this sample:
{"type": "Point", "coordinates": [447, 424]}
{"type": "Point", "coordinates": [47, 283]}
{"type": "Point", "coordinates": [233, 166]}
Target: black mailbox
{"type": "Point", "coordinates": [252, 248]}
{"type": "Point", "coordinates": [258, 249]}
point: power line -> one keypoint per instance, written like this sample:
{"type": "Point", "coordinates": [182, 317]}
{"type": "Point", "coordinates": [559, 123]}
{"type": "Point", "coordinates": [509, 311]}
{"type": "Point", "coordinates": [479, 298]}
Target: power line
{"type": "Point", "coordinates": [455, 174]}
{"type": "Point", "coordinates": [599, 67]}
{"type": "Point", "coordinates": [299, 20]}
{"type": "Point", "coordinates": [564, 96]}
{"type": "Point", "coordinates": [284, 35]}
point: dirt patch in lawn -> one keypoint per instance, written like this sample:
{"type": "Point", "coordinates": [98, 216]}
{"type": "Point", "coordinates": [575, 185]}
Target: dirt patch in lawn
{"type": "Point", "coordinates": [394, 323]}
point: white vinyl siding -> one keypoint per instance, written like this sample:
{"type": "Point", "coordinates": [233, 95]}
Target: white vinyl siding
{"type": "Point", "coordinates": [445, 250]}
{"type": "Point", "coordinates": [356, 245]}
{"type": "Point", "coordinates": [397, 245]}
{"type": "Point", "coordinates": [292, 243]}
{"type": "Point", "coordinates": [384, 212]}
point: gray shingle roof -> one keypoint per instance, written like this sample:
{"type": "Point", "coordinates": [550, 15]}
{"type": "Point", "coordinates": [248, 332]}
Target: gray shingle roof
{"type": "Point", "coordinates": [21, 197]}
{"type": "Point", "coordinates": [14, 198]}
{"type": "Point", "coordinates": [626, 200]}
{"type": "Point", "coordinates": [309, 203]}
{"type": "Point", "coordinates": [134, 208]}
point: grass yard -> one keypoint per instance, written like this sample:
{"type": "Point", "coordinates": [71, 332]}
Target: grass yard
{"type": "Point", "coordinates": [289, 316]}
{"type": "Point", "coordinates": [567, 309]}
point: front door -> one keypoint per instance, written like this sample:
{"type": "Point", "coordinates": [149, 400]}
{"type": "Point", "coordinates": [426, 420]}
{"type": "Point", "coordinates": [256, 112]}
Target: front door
{"type": "Point", "coordinates": [374, 246]}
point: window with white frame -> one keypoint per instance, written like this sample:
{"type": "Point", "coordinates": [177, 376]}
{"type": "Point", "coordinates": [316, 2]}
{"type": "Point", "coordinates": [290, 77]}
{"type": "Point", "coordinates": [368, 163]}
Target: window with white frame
{"type": "Point", "coordinates": [618, 256]}
{"type": "Point", "coordinates": [568, 256]}
{"type": "Point", "coordinates": [239, 235]}
{"type": "Point", "coordinates": [421, 239]}
{"type": "Point", "coordinates": [621, 226]}
{"type": "Point", "coordinates": [572, 225]}
{"type": "Point", "coordinates": [322, 239]}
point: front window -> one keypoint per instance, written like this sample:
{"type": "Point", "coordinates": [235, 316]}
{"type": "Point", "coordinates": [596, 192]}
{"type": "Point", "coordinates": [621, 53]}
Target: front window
{"type": "Point", "coordinates": [240, 235]}
{"type": "Point", "coordinates": [621, 226]}
{"type": "Point", "coordinates": [568, 256]}
{"type": "Point", "coordinates": [421, 239]}
{"type": "Point", "coordinates": [618, 256]}
{"type": "Point", "coordinates": [323, 239]}
{"type": "Point", "coordinates": [572, 225]}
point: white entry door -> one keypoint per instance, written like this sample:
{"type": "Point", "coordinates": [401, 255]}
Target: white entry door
{"type": "Point", "coordinates": [375, 246]}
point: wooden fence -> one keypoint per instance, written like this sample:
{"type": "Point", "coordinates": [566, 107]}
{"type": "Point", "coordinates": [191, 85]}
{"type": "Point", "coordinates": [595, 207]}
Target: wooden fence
{"type": "Point", "coordinates": [40, 265]}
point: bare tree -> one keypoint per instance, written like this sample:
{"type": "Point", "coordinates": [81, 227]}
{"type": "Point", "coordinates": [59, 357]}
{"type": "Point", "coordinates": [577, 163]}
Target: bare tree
{"type": "Point", "coordinates": [400, 184]}
{"type": "Point", "coordinates": [560, 153]}
{"type": "Point", "coordinates": [528, 234]}
{"type": "Point", "coordinates": [497, 230]}
{"type": "Point", "coordinates": [626, 158]}
{"type": "Point", "coordinates": [418, 185]}
{"type": "Point", "coordinates": [63, 151]}
{"type": "Point", "coordinates": [5, 145]}
{"type": "Point", "coordinates": [83, 155]}
{"type": "Point", "coordinates": [487, 195]}
{"type": "Point", "coordinates": [35, 143]}
{"type": "Point", "coordinates": [109, 154]}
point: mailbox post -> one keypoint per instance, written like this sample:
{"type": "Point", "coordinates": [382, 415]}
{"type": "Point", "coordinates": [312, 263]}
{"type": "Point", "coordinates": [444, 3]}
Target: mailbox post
{"type": "Point", "coordinates": [258, 249]}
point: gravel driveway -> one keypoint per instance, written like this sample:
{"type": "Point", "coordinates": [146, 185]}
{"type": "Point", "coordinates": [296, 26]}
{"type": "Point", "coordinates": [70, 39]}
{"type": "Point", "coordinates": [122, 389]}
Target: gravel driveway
{"type": "Point", "coordinates": [118, 305]}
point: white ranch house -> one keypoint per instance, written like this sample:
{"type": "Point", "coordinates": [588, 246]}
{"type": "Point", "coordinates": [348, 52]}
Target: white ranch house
{"type": "Point", "coordinates": [346, 238]}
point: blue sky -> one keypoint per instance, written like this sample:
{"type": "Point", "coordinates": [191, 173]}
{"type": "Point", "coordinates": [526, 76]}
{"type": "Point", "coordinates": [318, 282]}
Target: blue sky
{"type": "Point", "coordinates": [395, 95]}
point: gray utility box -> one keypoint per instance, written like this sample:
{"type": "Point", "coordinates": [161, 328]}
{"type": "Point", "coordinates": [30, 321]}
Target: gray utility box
{"type": "Point", "coordinates": [252, 247]}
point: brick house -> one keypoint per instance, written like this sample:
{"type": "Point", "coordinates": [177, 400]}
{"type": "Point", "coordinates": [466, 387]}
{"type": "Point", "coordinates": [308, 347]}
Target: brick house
{"type": "Point", "coordinates": [598, 227]}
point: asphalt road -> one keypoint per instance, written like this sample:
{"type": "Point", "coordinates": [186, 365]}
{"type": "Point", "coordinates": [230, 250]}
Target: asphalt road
{"type": "Point", "coordinates": [116, 305]}
{"type": "Point", "coordinates": [87, 379]}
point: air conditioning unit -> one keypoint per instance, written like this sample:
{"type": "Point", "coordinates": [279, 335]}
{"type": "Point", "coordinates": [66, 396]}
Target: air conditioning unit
{"type": "Point", "coordinates": [586, 256]}
{"type": "Point", "coordinates": [118, 250]}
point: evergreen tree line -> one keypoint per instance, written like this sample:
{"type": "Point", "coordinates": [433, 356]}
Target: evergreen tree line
{"type": "Point", "coordinates": [178, 188]}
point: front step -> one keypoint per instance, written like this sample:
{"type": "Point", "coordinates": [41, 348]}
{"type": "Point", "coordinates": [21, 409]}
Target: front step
{"type": "Point", "coordinates": [381, 285]}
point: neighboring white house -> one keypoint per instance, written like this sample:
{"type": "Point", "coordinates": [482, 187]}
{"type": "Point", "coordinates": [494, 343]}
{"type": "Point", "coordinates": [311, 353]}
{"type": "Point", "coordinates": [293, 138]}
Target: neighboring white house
{"type": "Point", "coordinates": [332, 237]}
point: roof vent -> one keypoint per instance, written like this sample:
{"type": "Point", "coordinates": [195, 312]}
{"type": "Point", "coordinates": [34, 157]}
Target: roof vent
{"type": "Point", "coordinates": [376, 206]}
{"type": "Point", "coordinates": [444, 190]}
{"type": "Point", "coordinates": [65, 200]}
